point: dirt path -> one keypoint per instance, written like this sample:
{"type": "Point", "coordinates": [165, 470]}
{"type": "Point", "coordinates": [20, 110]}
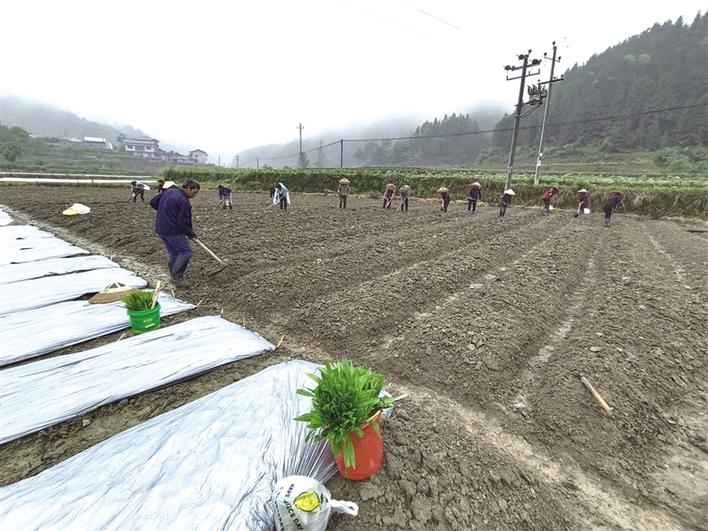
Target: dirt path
{"type": "Point", "coordinates": [485, 323]}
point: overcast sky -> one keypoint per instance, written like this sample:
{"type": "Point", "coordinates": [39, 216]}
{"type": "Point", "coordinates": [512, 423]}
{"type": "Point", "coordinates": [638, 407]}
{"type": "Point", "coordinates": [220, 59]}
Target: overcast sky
{"type": "Point", "coordinates": [226, 76]}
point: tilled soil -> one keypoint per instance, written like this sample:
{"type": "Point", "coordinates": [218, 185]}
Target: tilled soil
{"type": "Point", "coordinates": [487, 325]}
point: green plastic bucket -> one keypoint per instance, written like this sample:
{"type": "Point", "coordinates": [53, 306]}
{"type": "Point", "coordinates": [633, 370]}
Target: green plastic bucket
{"type": "Point", "coordinates": [145, 320]}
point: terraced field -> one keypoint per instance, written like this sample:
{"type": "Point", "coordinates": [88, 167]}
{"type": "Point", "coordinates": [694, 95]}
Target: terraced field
{"type": "Point", "coordinates": [487, 325]}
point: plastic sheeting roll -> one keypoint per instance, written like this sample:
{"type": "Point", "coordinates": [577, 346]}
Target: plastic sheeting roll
{"type": "Point", "coordinates": [39, 292]}
{"type": "Point", "coordinates": [211, 464]}
{"type": "Point", "coordinates": [30, 333]}
{"type": "Point", "coordinates": [54, 266]}
{"type": "Point", "coordinates": [43, 393]}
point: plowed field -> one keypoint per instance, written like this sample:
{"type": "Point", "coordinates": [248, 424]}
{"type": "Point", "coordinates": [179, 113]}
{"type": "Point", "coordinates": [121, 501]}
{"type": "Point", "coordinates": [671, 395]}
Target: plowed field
{"type": "Point", "coordinates": [487, 325]}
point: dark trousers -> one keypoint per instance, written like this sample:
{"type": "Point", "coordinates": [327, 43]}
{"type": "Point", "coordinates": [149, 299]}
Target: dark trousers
{"type": "Point", "coordinates": [404, 204]}
{"type": "Point", "coordinates": [546, 206]}
{"type": "Point", "coordinates": [608, 214]}
{"type": "Point", "coordinates": [140, 193]}
{"type": "Point", "coordinates": [342, 201]}
{"type": "Point", "coordinates": [502, 210]}
{"type": "Point", "coordinates": [179, 252]}
{"type": "Point", "coordinates": [387, 202]}
{"type": "Point", "coordinates": [444, 205]}
{"type": "Point", "coordinates": [283, 203]}
{"type": "Point", "coordinates": [471, 205]}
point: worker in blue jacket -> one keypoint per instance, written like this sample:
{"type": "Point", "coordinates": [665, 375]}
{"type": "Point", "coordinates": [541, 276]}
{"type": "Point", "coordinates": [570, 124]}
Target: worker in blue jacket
{"type": "Point", "coordinates": [173, 225]}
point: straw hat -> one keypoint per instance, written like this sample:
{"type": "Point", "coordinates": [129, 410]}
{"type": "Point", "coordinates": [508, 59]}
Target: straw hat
{"type": "Point", "coordinates": [442, 189]}
{"type": "Point", "coordinates": [168, 184]}
{"type": "Point", "coordinates": [582, 191]}
{"type": "Point", "coordinates": [343, 180]}
{"type": "Point", "coordinates": [509, 192]}
{"type": "Point", "coordinates": [476, 185]}
{"type": "Point", "coordinates": [390, 186]}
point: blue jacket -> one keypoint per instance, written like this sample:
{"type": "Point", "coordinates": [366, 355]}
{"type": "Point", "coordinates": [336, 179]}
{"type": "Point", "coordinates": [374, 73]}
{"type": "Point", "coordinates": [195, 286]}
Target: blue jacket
{"type": "Point", "coordinates": [174, 213]}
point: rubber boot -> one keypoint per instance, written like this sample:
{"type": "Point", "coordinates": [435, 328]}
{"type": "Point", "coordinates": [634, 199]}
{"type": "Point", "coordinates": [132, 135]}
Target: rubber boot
{"type": "Point", "coordinates": [178, 269]}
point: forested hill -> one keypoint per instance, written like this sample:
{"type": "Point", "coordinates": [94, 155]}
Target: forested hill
{"type": "Point", "coordinates": [45, 120]}
{"type": "Point", "coordinates": [665, 66]}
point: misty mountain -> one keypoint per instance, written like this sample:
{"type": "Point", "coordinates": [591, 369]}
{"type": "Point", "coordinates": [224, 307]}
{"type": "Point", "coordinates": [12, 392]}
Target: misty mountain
{"type": "Point", "coordinates": [663, 67]}
{"type": "Point", "coordinates": [323, 150]}
{"type": "Point", "coordinates": [44, 120]}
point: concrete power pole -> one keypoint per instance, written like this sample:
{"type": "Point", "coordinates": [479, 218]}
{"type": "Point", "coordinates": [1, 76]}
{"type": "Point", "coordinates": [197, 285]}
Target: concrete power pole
{"type": "Point", "coordinates": [237, 161]}
{"type": "Point", "coordinates": [300, 127]}
{"type": "Point", "coordinates": [519, 105]}
{"type": "Point", "coordinates": [550, 82]}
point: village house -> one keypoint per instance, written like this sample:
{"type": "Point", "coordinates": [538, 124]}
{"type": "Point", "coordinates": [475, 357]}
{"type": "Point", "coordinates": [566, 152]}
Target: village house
{"type": "Point", "coordinates": [199, 156]}
{"type": "Point", "coordinates": [96, 142]}
{"type": "Point", "coordinates": [143, 146]}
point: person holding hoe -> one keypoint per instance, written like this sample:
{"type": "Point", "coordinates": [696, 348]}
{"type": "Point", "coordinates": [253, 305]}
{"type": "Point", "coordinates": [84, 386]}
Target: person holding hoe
{"type": "Point", "coordinates": [474, 194]}
{"type": "Point", "coordinates": [388, 195]}
{"type": "Point", "coordinates": [281, 197]}
{"type": "Point", "coordinates": [546, 199]}
{"type": "Point", "coordinates": [612, 202]}
{"type": "Point", "coordinates": [583, 202]}
{"type": "Point", "coordinates": [225, 197]}
{"type": "Point", "coordinates": [343, 192]}
{"type": "Point", "coordinates": [505, 201]}
{"type": "Point", "coordinates": [444, 198]}
{"type": "Point", "coordinates": [138, 189]}
{"type": "Point", "coordinates": [405, 195]}
{"type": "Point", "coordinates": [173, 225]}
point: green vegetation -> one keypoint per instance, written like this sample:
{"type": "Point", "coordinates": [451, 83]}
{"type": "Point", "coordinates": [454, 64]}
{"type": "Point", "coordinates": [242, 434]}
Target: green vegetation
{"type": "Point", "coordinates": [346, 398]}
{"type": "Point", "coordinates": [138, 301]}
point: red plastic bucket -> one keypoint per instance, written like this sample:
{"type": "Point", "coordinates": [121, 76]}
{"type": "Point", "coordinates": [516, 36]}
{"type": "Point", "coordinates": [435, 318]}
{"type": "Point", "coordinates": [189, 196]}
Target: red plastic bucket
{"type": "Point", "coordinates": [368, 451]}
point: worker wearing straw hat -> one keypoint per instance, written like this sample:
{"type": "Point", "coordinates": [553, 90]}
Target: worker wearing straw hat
{"type": "Point", "coordinates": [473, 195]}
{"type": "Point", "coordinates": [138, 189]}
{"type": "Point", "coordinates": [444, 198]}
{"type": "Point", "coordinates": [583, 202]}
{"type": "Point", "coordinates": [388, 195]}
{"type": "Point", "coordinates": [505, 201]}
{"type": "Point", "coordinates": [343, 192]}
{"type": "Point", "coordinates": [225, 197]}
{"type": "Point", "coordinates": [612, 202]}
{"type": "Point", "coordinates": [546, 198]}
{"type": "Point", "coordinates": [405, 194]}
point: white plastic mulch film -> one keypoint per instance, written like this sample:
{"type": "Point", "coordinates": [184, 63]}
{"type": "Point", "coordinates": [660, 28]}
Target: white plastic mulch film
{"type": "Point", "coordinates": [5, 218]}
{"type": "Point", "coordinates": [39, 292]}
{"type": "Point", "coordinates": [211, 464]}
{"type": "Point", "coordinates": [22, 232]}
{"type": "Point", "coordinates": [43, 393]}
{"type": "Point", "coordinates": [31, 333]}
{"type": "Point", "coordinates": [31, 249]}
{"type": "Point", "coordinates": [54, 266]}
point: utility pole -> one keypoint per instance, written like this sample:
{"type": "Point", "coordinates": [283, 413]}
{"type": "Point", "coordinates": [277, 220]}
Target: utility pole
{"type": "Point", "coordinates": [237, 161]}
{"type": "Point", "coordinates": [341, 153]}
{"type": "Point", "coordinates": [300, 127]}
{"type": "Point", "coordinates": [550, 82]}
{"type": "Point", "coordinates": [219, 163]}
{"type": "Point", "coordinates": [258, 165]}
{"type": "Point", "coordinates": [519, 105]}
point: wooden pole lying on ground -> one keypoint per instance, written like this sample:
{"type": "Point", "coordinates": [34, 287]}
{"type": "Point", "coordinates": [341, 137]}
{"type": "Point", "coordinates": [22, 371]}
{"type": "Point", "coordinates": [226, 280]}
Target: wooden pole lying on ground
{"type": "Point", "coordinates": [606, 408]}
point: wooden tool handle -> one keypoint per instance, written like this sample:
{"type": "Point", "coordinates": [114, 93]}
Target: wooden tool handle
{"type": "Point", "coordinates": [155, 294]}
{"type": "Point", "coordinates": [597, 396]}
{"type": "Point", "coordinates": [209, 251]}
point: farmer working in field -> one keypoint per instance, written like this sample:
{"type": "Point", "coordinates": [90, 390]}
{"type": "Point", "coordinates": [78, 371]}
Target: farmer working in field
{"type": "Point", "coordinates": [505, 202]}
{"type": "Point", "coordinates": [405, 195]}
{"type": "Point", "coordinates": [583, 202]}
{"type": "Point", "coordinates": [281, 196]}
{"type": "Point", "coordinates": [160, 186]}
{"type": "Point", "coordinates": [388, 195]}
{"type": "Point", "coordinates": [225, 197]}
{"type": "Point", "coordinates": [173, 225]}
{"type": "Point", "coordinates": [343, 192]}
{"type": "Point", "coordinates": [474, 194]}
{"type": "Point", "coordinates": [444, 198]}
{"type": "Point", "coordinates": [612, 202]}
{"type": "Point", "coordinates": [138, 189]}
{"type": "Point", "coordinates": [547, 197]}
